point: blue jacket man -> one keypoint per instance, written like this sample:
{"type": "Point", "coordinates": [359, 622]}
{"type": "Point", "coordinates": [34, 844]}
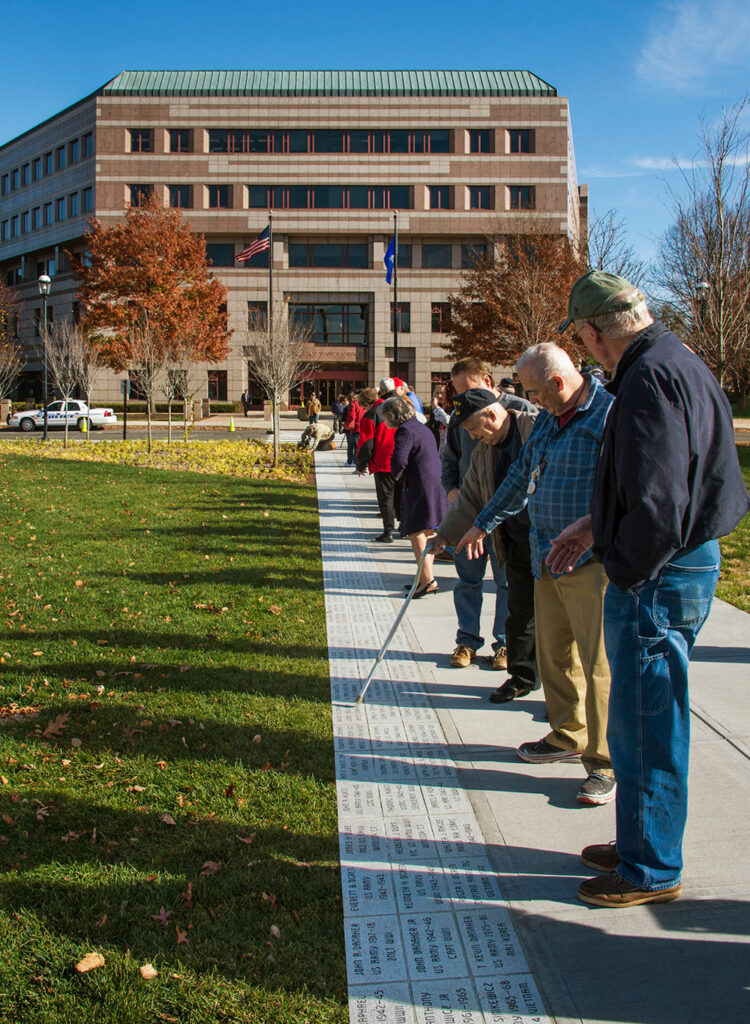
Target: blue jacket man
{"type": "Point", "coordinates": [668, 485]}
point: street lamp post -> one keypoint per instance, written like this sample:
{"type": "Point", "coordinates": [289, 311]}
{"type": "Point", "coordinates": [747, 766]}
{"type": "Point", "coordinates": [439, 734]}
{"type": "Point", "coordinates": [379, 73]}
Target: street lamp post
{"type": "Point", "coordinates": [44, 286]}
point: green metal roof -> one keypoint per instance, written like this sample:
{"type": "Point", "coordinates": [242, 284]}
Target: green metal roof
{"type": "Point", "coordinates": [328, 83]}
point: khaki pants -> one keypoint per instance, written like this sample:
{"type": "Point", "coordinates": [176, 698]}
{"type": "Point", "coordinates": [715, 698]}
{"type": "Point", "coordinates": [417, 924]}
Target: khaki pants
{"type": "Point", "coordinates": [573, 662]}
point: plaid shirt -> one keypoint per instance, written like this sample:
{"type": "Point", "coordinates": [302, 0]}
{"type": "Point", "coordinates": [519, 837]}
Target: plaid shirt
{"type": "Point", "coordinates": [559, 463]}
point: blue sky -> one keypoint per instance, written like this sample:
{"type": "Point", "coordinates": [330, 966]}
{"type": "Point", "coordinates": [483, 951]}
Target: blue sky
{"type": "Point", "coordinates": [639, 75]}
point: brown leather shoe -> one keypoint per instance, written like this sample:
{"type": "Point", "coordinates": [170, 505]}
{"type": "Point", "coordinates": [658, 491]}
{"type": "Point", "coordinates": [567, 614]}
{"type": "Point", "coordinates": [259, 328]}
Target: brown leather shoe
{"type": "Point", "coordinates": [463, 656]}
{"type": "Point", "coordinates": [613, 891]}
{"type": "Point", "coordinates": [500, 659]}
{"type": "Point", "coordinates": [601, 857]}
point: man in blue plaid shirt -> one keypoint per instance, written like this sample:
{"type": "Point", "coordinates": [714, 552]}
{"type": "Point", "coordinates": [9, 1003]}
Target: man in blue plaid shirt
{"type": "Point", "coordinates": [553, 478]}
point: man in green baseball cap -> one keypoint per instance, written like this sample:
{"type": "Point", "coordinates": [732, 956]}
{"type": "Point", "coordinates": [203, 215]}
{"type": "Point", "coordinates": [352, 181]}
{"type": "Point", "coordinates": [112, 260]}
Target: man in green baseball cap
{"type": "Point", "coordinates": [598, 293]}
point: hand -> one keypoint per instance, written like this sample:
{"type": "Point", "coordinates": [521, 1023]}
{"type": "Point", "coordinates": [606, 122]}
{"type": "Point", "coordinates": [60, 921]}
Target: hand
{"type": "Point", "coordinates": [452, 495]}
{"type": "Point", "coordinates": [437, 543]}
{"type": "Point", "coordinates": [472, 541]}
{"type": "Point", "coordinates": [570, 545]}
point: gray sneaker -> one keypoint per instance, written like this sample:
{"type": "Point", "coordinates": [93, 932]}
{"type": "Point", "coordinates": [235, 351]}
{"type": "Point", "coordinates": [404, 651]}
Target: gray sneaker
{"type": "Point", "coordinates": [597, 789]}
{"type": "Point", "coordinates": [543, 752]}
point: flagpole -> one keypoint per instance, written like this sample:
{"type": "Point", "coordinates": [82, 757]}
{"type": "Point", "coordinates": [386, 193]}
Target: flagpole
{"type": "Point", "coordinates": [269, 318]}
{"type": "Point", "coordinates": [395, 291]}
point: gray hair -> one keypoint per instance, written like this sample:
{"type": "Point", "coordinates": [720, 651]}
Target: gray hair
{"type": "Point", "coordinates": [547, 360]}
{"type": "Point", "coordinates": [386, 384]}
{"type": "Point", "coordinates": [618, 326]}
{"type": "Point", "coordinates": [397, 411]}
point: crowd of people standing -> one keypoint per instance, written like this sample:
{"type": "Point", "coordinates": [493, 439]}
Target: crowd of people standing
{"type": "Point", "coordinates": [603, 552]}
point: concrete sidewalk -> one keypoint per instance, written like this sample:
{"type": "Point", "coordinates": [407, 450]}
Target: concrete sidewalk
{"type": "Point", "coordinates": [672, 964]}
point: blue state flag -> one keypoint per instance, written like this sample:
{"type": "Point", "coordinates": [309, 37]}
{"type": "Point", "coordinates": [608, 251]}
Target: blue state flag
{"type": "Point", "coordinates": [389, 259]}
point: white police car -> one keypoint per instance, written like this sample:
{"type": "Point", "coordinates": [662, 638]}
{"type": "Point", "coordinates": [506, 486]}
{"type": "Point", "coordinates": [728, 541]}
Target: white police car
{"type": "Point", "coordinates": [77, 414]}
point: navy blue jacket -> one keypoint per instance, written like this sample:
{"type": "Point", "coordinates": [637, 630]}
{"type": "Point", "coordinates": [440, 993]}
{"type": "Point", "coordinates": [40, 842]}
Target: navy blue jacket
{"type": "Point", "coordinates": [668, 478]}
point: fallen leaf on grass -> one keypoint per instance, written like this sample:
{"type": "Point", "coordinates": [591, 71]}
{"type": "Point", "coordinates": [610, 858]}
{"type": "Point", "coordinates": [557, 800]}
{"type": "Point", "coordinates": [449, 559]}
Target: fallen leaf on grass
{"type": "Point", "coordinates": [275, 931]}
{"type": "Point", "coordinates": [75, 742]}
{"type": "Point", "coordinates": [148, 972]}
{"type": "Point", "coordinates": [274, 609]}
{"type": "Point", "coordinates": [188, 895]}
{"type": "Point", "coordinates": [257, 739]}
{"type": "Point", "coordinates": [167, 819]}
{"type": "Point", "coordinates": [182, 939]}
{"type": "Point", "coordinates": [100, 672]}
{"type": "Point", "coordinates": [246, 839]}
{"type": "Point", "coordinates": [3, 780]}
{"type": "Point", "coordinates": [101, 922]}
{"type": "Point", "coordinates": [57, 726]}
{"type": "Point", "coordinates": [90, 963]}
{"type": "Point", "coordinates": [271, 898]}
{"type": "Point", "coordinates": [162, 917]}
{"type": "Point", "coordinates": [228, 790]}
{"type": "Point", "coordinates": [184, 668]}
{"type": "Point", "coordinates": [8, 820]}
{"type": "Point", "coordinates": [211, 867]}
{"type": "Point", "coordinates": [150, 878]}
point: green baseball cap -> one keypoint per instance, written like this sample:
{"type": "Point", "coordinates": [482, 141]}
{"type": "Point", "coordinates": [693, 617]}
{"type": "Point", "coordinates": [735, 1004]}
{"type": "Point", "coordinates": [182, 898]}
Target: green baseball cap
{"type": "Point", "coordinates": [597, 293]}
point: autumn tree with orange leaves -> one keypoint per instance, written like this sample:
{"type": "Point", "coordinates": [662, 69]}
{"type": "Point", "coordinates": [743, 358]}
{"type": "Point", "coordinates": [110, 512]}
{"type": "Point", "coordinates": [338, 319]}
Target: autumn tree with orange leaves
{"type": "Point", "coordinates": [148, 274]}
{"type": "Point", "coordinates": [515, 297]}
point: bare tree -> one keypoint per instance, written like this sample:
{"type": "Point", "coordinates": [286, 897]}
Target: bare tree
{"type": "Point", "coordinates": [608, 249]}
{"type": "Point", "coordinates": [148, 355]}
{"type": "Point", "coordinates": [10, 351]}
{"type": "Point", "coordinates": [86, 356]}
{"type": "Point", "coordinates": [279, 357]}
{"type": "Point", "coordinates": [704, 256]}
{"type": "Point", "coordinates": [62, 360]}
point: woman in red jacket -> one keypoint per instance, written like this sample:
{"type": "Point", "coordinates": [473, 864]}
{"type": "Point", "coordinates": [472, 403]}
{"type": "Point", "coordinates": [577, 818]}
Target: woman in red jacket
{"type": "Point", "coordinates": [351, 420]}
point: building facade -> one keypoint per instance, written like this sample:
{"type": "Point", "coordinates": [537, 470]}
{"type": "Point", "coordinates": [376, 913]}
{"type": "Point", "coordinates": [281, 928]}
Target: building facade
{"type": "Point", "coordinates": [456, 156]}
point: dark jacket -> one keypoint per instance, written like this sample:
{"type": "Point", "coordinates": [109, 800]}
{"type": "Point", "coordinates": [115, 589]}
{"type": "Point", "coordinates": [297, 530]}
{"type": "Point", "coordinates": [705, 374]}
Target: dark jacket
{"type": "Point", "coordinates": [459, 447]}
{"type": "Point", "coordinates": [668, 478]}
{"type": "Point", "coordinates": [375, 439]}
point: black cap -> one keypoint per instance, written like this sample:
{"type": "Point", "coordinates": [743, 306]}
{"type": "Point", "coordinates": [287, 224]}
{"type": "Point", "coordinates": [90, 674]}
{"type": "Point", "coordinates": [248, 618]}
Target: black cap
{"type": "Point", "coordinates": [472, 401]}
{"type": "Point", "coordinates": [507, 382]}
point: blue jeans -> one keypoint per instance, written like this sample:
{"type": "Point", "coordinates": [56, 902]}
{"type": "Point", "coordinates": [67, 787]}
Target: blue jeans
{"type": "Point", "coordinates": [352, 440]}
{"type": "Point", "coordinates": [649, 634]}
{"type": "Point", "coordinates": [467, 599]}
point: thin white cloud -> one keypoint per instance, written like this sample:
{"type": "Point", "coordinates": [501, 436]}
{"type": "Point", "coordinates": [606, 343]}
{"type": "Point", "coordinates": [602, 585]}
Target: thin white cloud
{"type": "Point", "coordinates": [689, 44]}
{"type": "Point", "coordinates": [599, 171]}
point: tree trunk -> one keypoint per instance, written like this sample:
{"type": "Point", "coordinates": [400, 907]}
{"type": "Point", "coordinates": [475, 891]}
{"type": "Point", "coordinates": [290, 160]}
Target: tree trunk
{"type": "Point", "coordinates": [65, 437]}
{"type": "Point", "coordinates": [148, 417]}
{"type": "Point", "coordinates": [275, 418]}
{"type": "Point", "coordinates": [169, 421]}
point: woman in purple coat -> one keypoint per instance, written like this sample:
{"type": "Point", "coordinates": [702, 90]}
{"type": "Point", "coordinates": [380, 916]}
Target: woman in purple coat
{"type": "Point", "coordinates": [423, 502]}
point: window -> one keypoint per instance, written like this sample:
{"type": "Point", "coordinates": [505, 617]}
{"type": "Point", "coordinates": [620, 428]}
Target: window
{"type": "Point", "coordinates": [472, 254]}
{"type": "Point", "coordinates": [220, 254]}
{"type": "Point", "coordinates": [88, 144]}
{"type": "Point", "coordinates": [180, 140]}
{"type": "Point", "coordinates": [140, 194]}
{"type": "Point", "coordinates": [333, 323]}
{"type": "Point", "coordinates": [259, 260]}
{"type": "Point", "coordinates": [480, 197]}
{"type": "Point", "coordinates": [36, 169]}
{"type": "Point", "coordinates": [328, 197]}
{"type": "Point", "coordinates": [48, 214]}
{"type": "Point", "coordinates": [327, 141]}
{"type": "Point", "coordinates": [217, 385]}
{"type": "Point", "coordinates": [74, 151]}
{"type": "Point", "coordinates": [480, 140]}
{"type": "Point", "coordinates": [49, 165]}
{"type": "Point", "coordinates": [257, 315]}
{"type": "Point", "coordinates": [88, 199]}
{"type": "Point", "coordinates": [522, 197]}
{"type": "Point", "coordinates": [141, 140]}
{"type": "Point", "coordinates": [441, 317]}
{"type": "Point", "coordinates": [5, 231]}
{"type": "Point", "coordinates": [15, 226]}
{"type": "Point", "coordinates": [5, 185]}
{"type": "Point", "coordinates": [26, 221]}
{"type": "Point", "coordinates": [401, 317]}
{"type": "Point", "coordinates": [15, 179]}
{"type": "Point", "coordinates": [60, 157]}
{"type": "Point", "coordinates": [74, 204]}
{"type": "Point", "coordinates": [36, 217]}
{"type": "Point", "coordinates": [521, 140]}
{"type": "Point", "coordinates": [219, 197]}
{"type": "Point", "coordinates": [181, 196]}
{"type": "Point", "coordinates": [436, 256]}
{"type": "Point", "coordinates": [60, 209]}
{"type": "Point", "coordinates": [441, 197]}
{"type": "Point", "coordinates": [404, 255]}
{"type": "Point", "coordinates": [328, 254]}
{"type": "Point", "coordinates": [26, 174]}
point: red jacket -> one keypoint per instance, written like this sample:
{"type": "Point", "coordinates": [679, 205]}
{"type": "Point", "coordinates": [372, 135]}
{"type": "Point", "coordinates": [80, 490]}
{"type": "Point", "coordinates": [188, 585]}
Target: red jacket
{"type": "Point", "coordinates": [352, 417]}
{"type": "Point", "coordinates": [375, 441]}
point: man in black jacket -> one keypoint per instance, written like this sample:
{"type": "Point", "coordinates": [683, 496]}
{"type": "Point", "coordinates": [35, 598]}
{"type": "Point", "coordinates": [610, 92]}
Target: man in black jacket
{"type": "Point", "coordinates": [668, 485]}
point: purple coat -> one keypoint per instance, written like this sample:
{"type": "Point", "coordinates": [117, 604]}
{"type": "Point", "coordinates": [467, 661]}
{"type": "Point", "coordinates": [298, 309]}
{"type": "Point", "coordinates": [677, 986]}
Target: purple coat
{"type": "Point", "coordinates": [415, 457]}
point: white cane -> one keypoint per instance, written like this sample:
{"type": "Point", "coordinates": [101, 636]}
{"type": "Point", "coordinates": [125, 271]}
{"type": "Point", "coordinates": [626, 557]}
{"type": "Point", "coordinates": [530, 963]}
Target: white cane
{"type": "Point", "coordinates": [394, 627]}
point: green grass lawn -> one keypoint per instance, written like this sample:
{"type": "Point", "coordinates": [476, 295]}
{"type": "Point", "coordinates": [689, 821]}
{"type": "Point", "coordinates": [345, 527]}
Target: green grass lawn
{"type": "Point", "coordinates": [170, 797]}
{"type": "Point", "coordinates": [734, 585]}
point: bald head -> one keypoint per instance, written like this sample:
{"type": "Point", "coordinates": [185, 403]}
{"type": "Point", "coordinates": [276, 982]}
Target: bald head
{"type": "Point", "coordinates": [549, 376]}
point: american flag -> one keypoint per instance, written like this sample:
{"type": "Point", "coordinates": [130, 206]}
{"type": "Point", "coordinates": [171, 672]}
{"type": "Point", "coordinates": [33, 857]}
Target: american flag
{"type": "Point", "coordinates": [259, 244]}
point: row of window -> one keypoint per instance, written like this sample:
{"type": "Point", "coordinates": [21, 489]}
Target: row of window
{"type": "Point", "coordinates": [346, 323]}
{"type": "Point", "coordinates": [336, 140]}
{"type": "Point", "coordinates": [42, 166]}
{"type": "Point", "coordinates": [48, 213]}
{"type": "Point", "coordinates": [338, 197]}
{"type": "Point", "coordinates": [351, 255]}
